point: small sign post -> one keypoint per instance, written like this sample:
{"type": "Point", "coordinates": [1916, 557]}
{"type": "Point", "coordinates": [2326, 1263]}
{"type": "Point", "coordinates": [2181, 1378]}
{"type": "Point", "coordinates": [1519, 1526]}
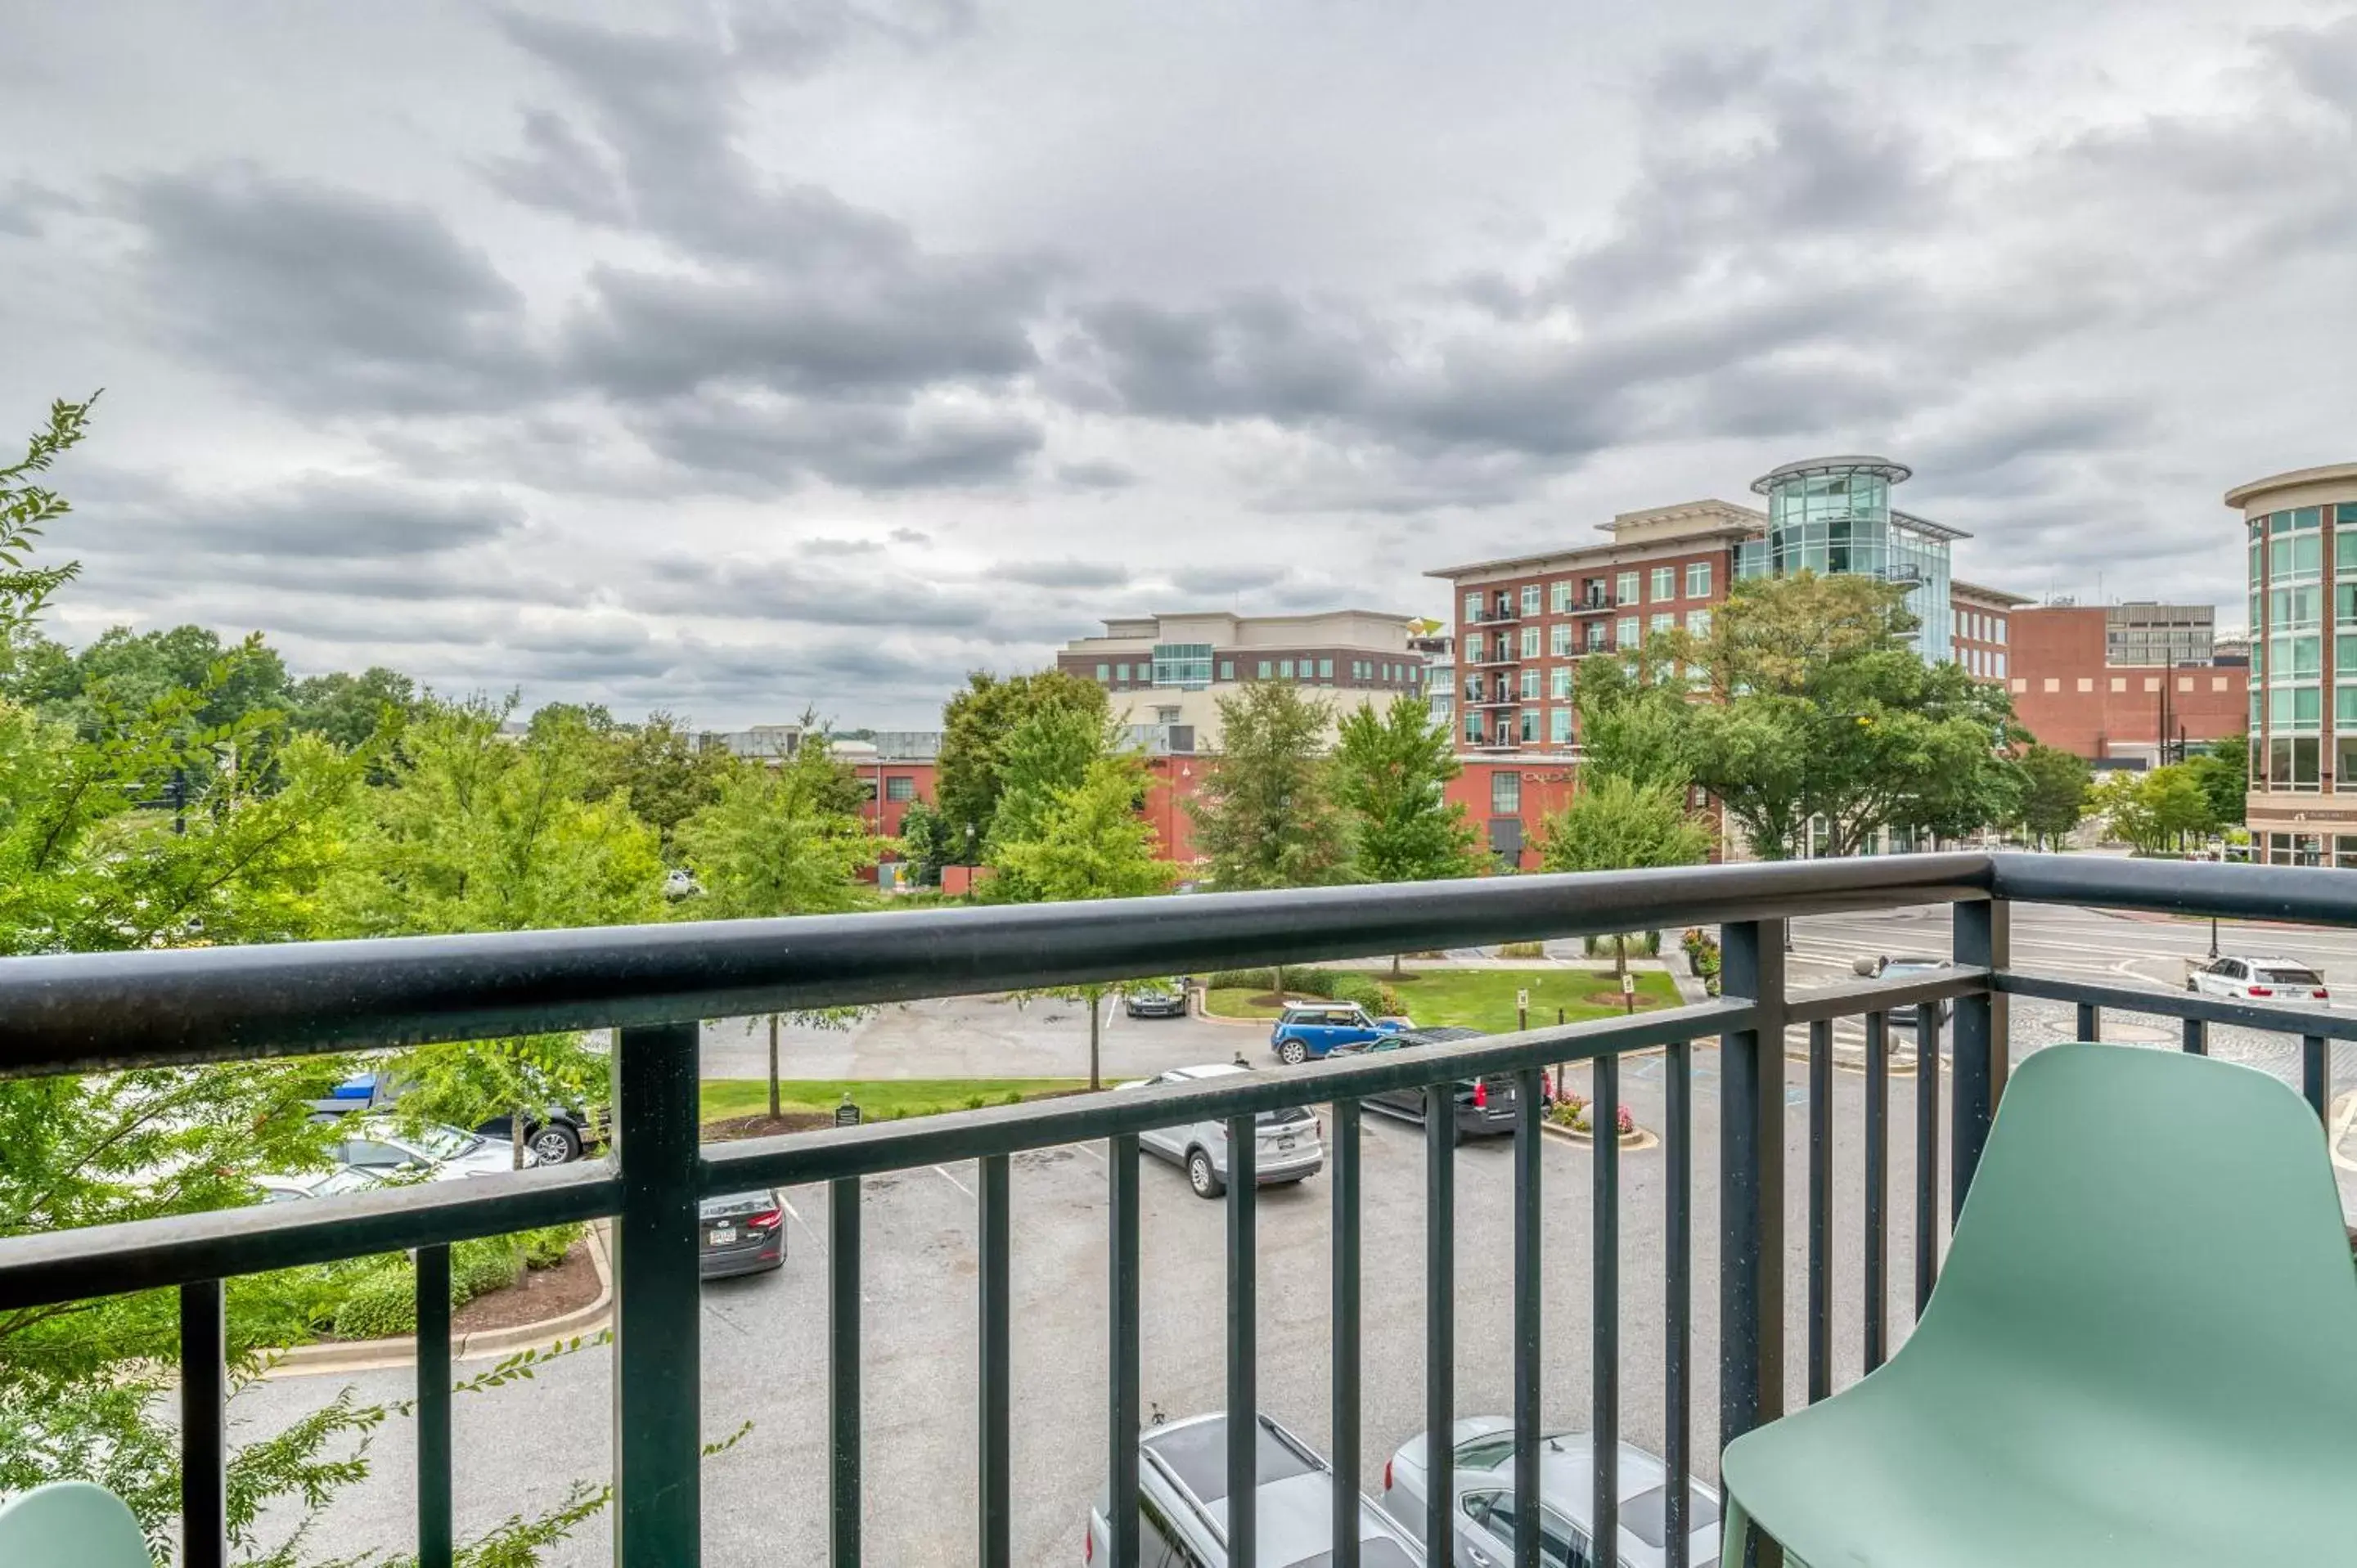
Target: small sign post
{"type": "Point", "coordinates": [1628, 992]}
{"type": "Point", "coordinates": [846, 1114]}
{"type": "Point", "coordinates": [1522, 1009]}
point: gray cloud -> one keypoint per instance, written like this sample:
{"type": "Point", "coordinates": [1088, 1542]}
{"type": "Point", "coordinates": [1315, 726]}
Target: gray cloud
{"type": "Point", "coordinates": [806, 594]}
{"type": "Point", "coordinates": [1096, 475]}
{"type": "Point", "coordinates": [1063, 574]}
{"type": "Point", "coordinates": [333, 517]}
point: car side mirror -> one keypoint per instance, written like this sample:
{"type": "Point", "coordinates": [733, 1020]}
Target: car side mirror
{"type": "Point", "coordinates": [1865, 966]}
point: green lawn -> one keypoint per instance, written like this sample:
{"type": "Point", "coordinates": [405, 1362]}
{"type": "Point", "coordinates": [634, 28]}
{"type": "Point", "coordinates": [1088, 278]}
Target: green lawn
{"type": "Point", "coordinates": [1484, 998]}
{"type": "Point", "coordinates": [879, 1099]}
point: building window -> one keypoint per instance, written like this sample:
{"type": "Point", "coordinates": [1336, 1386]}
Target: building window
{"type": "Point", "coordinates": [1530, 726]}
{"type": "Point", "coordinates": [1559, 682]}
{"type": "Point", "coordinates": [1187, 665]}
{"type": "Point", "coordinates": [1560, 640]}
{"type": "Point", "coordinates": [1473, 604]}
{"type": "Point", "coordinates": [1264, 668]}
{"type": "Point", "coordinates": [1505, 794]}
{"type": "Point", "coordinates": [1559, 595]}
{"type": "Point", "coordinates": [1627, 590]}
{"type": "Point", "coordinates": [1665, 583]}
{"type": "Point", "coordinates": [2001, 634]}
{"type": "Point", "coordinates": [1285, 669]}
{"type": "Point", "coordinates": [1105, 673]}
{"type": "Point", "coordinates": [1530, 642]}
{"type": "Point", "coordinates": [1559, 726]}
{"type": "Point", "coordinates": [1325, 669]}
{"type": "Point", "coordinates": [1625, 632]}
{"type": "Point", "coordinates": [1530, 683]}
{"type": "Point", "coordinates": [1530, 598]}
{"type": "Point", "coordinates": [1661, 623]}
{"type": "Point", "coordinates": [1473, 647]}
{"type": "Point", "coordinates": [1697, 579]}
{"type": "Point", "coordinates": [1120, 674]}
{"type": "Point", "coordinates": [2019, 685]}
{"type": "Point", "coordinates": [900, 788]}
{"type": "Point", "coordinates": [1473, 729]}
{"type": "Point", "coordinates": [1227, 668]}
{"type": "Point", "coordinates": [1596, 640]}
{"type": "Point", "coordinates": [1698, 622]}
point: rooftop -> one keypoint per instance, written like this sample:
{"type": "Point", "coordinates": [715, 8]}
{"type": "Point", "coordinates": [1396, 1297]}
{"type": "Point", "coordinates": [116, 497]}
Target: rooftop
{"type": "Point", "coordinates": [2327, 474]}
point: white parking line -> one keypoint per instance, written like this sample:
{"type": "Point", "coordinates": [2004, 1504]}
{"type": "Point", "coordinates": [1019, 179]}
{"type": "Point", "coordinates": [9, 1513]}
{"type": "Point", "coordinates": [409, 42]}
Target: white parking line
{"type": "Point", "coordinates": [943, 1173]}
{"type": "Point", "coordinates": [816, 1240]}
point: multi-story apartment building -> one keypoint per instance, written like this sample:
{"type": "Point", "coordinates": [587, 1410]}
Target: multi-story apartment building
{"type": "Point", "coordinates": [2301, 530]}
{"type": "Point", "coordinates": [2099, 681]}
{"type": "Point", "coordinates": [1170, 671]}
{"type": "Point", "coordinates": [1524, 622]}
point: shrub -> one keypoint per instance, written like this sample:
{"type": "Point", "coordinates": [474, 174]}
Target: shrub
{"type": "Point", "coordinates": [1240, 980]}
{"type": "Point", "coordinates": [1012, 1097]}
{"type": "Point", "coordinates": [545, 1248]}
{"type": "Point", "coordinates": [1357, 988]}
{"type": "Point", "coordinates": [1628, 1123]}
{"type": "Point", "coordinates": [976, 1102]}
{"type": "Point", "coordinates": [1319, 983]}
{"type": "Point", "coordinates": [1393, 1005]}
{"type": "Point", "coordinates": [1569, 1111]}
{"type": "Point", "coordinates": [1521, 949]}
{"type": "Point", "coordinates": [489, 1264]}
{"type": "Point", "coordinates": [382, 1306]}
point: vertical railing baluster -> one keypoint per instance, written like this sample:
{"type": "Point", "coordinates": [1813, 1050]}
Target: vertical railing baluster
{"type": "Point", "coordinates": [2315, 1073]}
{"type": "Point", "coordinates": [433, 1384]}
{"type": "Point", "coordinates": [1677, 1310]}
{"type": "Point", "coordinates": [1343, 1172]}
{"type": "Point", "coordinates": [1243, 1324]}
{"type": "Point", "coordinates": [1530, 1111]}
{"type": "Point", "coordinates": [204, 1452]}
{"type": "Point", "coordinates": [1121, 1373]}
{"type": "Point", "coordinates": [1751, 1191]}
{"type": "Point", "coordinates": [843, 1371]}
{"type": "Point", "coordinates": [1439, 1308]}
{"type": "Point", "coordinates": [2091, 1021]}
{"type": "Point", "coordinates": [1821, 1209]}
{"type": "Point", "coordinates": [658, 1306]}
{"type": "Point", "coordinates": [2197, 1038]}
{"type": "Point", "coordinates": [1927, 1151]}
{"type": "Point", "coordinates": [1877, 1282]}
{"type": "Point", "coordinates": [1604, 1420]}
{"type": "Point", "coordinates": [1982, 937]}
{"type": "Point", "coordinates": [995, 1310]}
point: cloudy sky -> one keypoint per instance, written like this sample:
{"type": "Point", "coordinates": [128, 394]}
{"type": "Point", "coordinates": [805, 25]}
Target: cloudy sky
{"type": "Point", "coordinates": [727, 358]}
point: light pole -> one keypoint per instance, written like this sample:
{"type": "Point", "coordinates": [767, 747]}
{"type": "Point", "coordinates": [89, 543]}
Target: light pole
{"type": "Point", "coordinates": [2213, 936]}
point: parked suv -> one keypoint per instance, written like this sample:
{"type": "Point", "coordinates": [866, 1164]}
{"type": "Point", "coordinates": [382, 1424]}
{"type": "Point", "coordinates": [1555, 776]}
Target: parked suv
{"type": "Point", "coordinates": [1484, 1105]}
{"type": "Point", "coordinates": [1290, 1146]}
{"type": "Point", "coordinates": [1306, 1030]}
{"type": "Point", "coordinates": [1155, 999]}
{"type": "Point", "coordinates": [1483, 1516]}
{"type": "Point", "coordinates": [1182, 1493]}
{"type": "Point", "coordinates": [2259, 980]}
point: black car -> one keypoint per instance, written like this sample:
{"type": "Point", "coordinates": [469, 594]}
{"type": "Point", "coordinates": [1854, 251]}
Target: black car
{"type": "Point", "coordinates": [744, 1233]}
{"type": "Point", "coordinates": [1155, 1000]}
{"type": "Point", "coordinates": [1484, 1106]}
{"type": "Point", "coordinates": [566, 1135]}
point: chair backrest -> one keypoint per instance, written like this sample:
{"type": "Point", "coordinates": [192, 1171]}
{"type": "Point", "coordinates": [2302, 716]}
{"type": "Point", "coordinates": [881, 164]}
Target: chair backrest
{"type": "Point", "coordinates": [2162, 1226]}
{"type": "Point", "coordinates": [71, 1522]}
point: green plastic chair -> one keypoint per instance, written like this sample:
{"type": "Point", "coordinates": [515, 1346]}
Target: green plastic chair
{"type": "Point", "coordinates": [2143, 1349]}
{"type": "Point", "coordinates": [71, 1522]}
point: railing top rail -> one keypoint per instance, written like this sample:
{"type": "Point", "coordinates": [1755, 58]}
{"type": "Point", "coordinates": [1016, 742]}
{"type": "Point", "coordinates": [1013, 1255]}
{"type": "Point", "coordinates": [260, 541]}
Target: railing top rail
{"type": "Point", "coordinates": [87, 1012]}
{"type": "Point", "coordinates": [2307, 895]}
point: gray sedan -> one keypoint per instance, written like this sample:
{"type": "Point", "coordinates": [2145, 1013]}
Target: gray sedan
{"type": "Point", "coordinates": [1288, 1147]}
{"type": "Point", "coordinates": [1483, 1518]}
{"type": "Point", "coordinates": [743, 1234]}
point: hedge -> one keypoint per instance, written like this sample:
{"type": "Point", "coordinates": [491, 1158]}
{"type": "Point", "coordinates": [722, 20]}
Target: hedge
{"type": "Point", "coordinates": [1318, 983]}
{"type": "Point", "coordinates": [385, 1303]}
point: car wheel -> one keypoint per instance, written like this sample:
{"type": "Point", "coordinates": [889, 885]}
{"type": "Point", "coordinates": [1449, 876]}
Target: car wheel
{"type": "Point", "coordinates": [1200, 1176]}
{"type": "Point", "coordinates": [555, 1145]}
{"type": "Point", "coordinates": [1293, 1053]}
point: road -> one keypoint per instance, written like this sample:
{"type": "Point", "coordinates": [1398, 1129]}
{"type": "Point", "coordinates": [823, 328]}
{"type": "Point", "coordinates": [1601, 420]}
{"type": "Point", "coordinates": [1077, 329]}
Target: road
{"type": "Point", "coordinates": [763, 1344]}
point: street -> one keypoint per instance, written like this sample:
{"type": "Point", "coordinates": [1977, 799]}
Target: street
{"type": "Point", "coordinates": [763, 1351]}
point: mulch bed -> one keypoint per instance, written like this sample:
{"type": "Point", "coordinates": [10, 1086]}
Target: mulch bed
{"type": "Point", "coordinates": [542, 1293]}
{"type": "Point", "coordinates": [761, 1125]}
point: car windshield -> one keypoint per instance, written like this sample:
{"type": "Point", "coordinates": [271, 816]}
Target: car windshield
{"type": "Point", "coordinates": [442, 1142]}
{"type": "Point", "coordinates": [1644, 1516]}
{"type": "Point", "coordinates": [1196, 1454]}
{"type": "Point", "coordinates": [345, 1180]}
{"type": "Point", "coordinates": [2285, 975]}
{"type": "Point", "coordinates": [1375, 1551]}
{"type": "Point", "coordinates": [1289, 1116]}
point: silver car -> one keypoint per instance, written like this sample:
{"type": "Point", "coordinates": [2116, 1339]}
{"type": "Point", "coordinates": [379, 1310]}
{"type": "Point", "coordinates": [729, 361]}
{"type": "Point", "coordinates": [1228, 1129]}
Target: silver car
{"type": "Point", "coordinates": [1183, 1504]}
{"type": "Point", "coordinates": [1483, 1518]}
{"type": "Point", "coordinates": [1290, 1146]}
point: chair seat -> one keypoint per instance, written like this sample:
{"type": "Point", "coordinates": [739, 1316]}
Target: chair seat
{"type": "Point", "coordinates": [2034, 1480]}
{"type": "Point", "coordinates": [71, 1524]}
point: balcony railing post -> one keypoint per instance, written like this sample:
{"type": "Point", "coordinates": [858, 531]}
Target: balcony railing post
{"type": "Point", "coordinates": [204, 1454]}
{"type": "Point", "coordinates": [658, 1327]}
{"type": "Point", "coordinates": [1981, 935]}
{"type": "Point", "coordinates": [1751, 1189]}
{"type": "Point", "coordinates": [434, 1538]}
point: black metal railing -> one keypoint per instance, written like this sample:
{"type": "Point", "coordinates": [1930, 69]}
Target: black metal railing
{"type": "Point", "coordinates": [81, 1014]}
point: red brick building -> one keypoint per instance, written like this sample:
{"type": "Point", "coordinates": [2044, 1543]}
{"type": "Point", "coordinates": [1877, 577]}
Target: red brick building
{"type": "Point", "coordinates": [2120, 681]}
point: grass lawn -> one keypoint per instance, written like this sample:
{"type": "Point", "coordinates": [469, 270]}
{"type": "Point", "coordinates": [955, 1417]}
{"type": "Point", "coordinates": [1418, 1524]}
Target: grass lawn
{"type": "Point", "coordinates": [879, 1099]}
{"type": "Point", "coordinates": [1484, 998]}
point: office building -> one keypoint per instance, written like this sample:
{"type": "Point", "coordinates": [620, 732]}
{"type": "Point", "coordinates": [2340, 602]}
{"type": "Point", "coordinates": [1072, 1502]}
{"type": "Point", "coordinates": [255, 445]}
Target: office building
{"type": "Point", "coordinates": [2301, 547]}
{"type": "Point", "coordinates": [2131, 685]}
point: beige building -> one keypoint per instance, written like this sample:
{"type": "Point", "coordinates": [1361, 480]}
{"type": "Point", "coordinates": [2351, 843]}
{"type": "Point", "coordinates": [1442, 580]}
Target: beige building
{"type": "Point", "coordinates": [2301, 534]}
{"type": "Point", "coordinates": [1166, 673]}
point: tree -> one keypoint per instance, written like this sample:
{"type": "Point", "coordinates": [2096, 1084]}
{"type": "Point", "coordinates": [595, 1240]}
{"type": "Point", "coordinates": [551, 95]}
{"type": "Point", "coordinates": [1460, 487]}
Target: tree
{"type": "Point", "coordinates": [975, 727]}
{"type": "Point", "coordinates": [1391, 778]}
{"type": "Point", "coordinates": [781, 842]}
{"type": "Point", "coordinates": [1615, 823]}
{"type": "Point", "coordinates": [1049, 755]}
{"type": "Point", "coordinates": [1822, 712]}
{"type": "Point", "coordinates": [1634, 723]}
{"type": "Point", "coordinates": [2054, 799]}
{"type": "Point", "coordinates": [347, 709]}
{"type": "Point", "coordinates": [2223, 772]}
{"type": "Point", "coordinates": [1087, 842]}
{"type": "Point", "coordinates": [663, 776]}
{"type": "Point", "coordinates": [925, 843]}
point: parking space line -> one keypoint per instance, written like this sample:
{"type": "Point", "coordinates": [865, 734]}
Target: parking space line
{"type": "Point", "coordinates": [943, 1173]}
{"type": "Point", "coordinates": [816, 1240]}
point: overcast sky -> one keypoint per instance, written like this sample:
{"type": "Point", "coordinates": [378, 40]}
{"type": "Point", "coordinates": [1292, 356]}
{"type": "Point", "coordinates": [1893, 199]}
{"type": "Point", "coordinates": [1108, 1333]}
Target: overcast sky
{"type": "Point", "coordinates": [731, 358]}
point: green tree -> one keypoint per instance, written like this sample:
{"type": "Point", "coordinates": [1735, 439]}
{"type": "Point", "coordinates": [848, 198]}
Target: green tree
{"type": "Point", "coordinates": [1634, 724]}
{"type": "Point", "coordinates": [925, 842]}
{"type": "Point", "coordinates": [1391, 777]}
{"type": "Point", "coordinates": [663, 775]}
{"type": "Point", "coordinates": [1049, 753]}
{"type": "Point", "coordinates": [2054, 800]}
{"type": "Point", "coordinates": [1615, 823]}
{"type": "Point", "coordinates": [2223, 772]}
{"type": "Point", "coordinates": [135, 669]}
{"type": "Point", "coordinates": [975, 727]}
{"type": "Point", "coordinates": [781, 842]}
{"type": "Point", "coordinates": [1087, 842]}
{"type": "Point", "coordinates": [350, 710]}
{"type": "Point", "coordinates": [1822, 712]}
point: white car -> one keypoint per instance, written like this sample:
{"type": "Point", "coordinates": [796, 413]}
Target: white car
{"type": "Point", "coordinates": [384, 1147]}
{"type": "Point", "coordinates": [2259, 980]}
{"type": "Point", "coordinates": [1484, 1516]}
{"type": "Point", "coordinates": [1289, 1145]}
{"type": "Point", "coordinates": [278, 1188]}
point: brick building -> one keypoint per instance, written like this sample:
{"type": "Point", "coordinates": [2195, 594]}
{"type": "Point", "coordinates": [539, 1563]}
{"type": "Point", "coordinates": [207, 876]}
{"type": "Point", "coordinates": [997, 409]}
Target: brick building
{"type": "Point", "coordinates": [2123, 682]}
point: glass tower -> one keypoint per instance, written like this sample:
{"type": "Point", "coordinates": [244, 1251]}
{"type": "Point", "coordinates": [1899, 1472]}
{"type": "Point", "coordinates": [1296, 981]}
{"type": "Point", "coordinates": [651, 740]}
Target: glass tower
{"type": "Point", "coordinates": [1833, 515]}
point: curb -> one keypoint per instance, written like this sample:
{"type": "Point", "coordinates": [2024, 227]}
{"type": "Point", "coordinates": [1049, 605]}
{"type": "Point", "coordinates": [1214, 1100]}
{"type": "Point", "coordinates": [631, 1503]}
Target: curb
{"type": "Point", "coordinates": [377, 1355]}
{"type": "Point", "coordinates": [1635, 1143]}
